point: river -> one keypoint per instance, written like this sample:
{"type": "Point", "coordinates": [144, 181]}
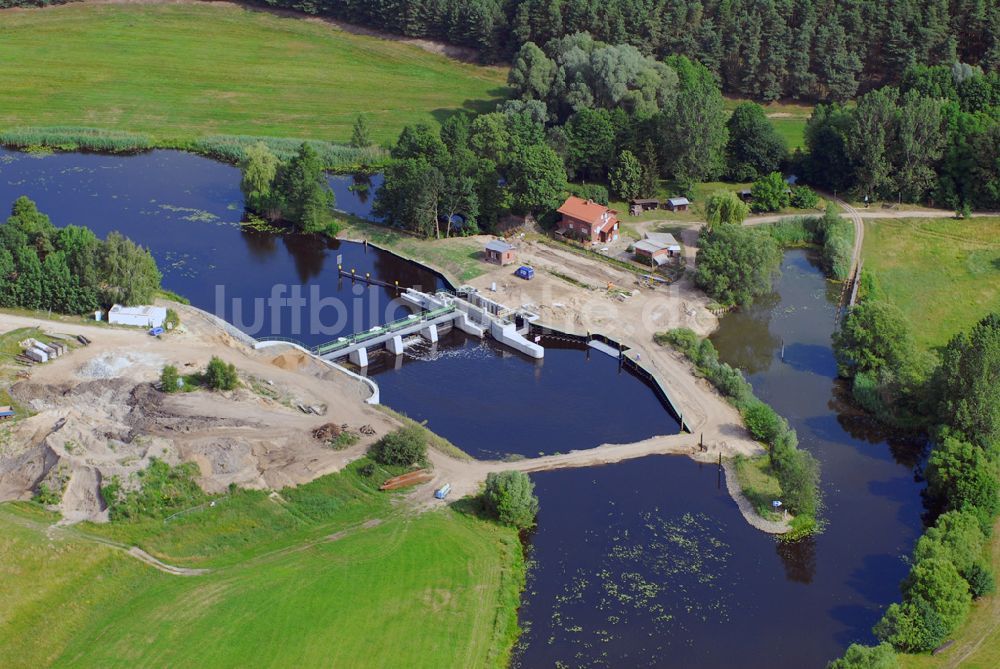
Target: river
{"type": "Point", "coordinates": [643, 563]}
{"type": "Point", "coordinates": [649, 563]}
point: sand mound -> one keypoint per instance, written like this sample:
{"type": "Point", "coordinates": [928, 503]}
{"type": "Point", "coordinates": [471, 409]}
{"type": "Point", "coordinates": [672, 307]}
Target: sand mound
{"type": "Point", "coordinates": [292, 360]}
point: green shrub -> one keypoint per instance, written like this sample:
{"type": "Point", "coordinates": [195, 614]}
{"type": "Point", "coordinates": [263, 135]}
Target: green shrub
{"type": "Point", "coordinates": [595, 192]}
{"type": "Point", "coordinates": [403, 447]}
{"type": "Point", "coordinates": [170, 380]}
{"type": "Point", "coordinates": [48, 495]}
{"type": "Point", "coordinates": [980, 579]}
{"type": "Point", "coordinates": [804, 197]}
{"type": "Point", "coordinates": [730, 382]}
{"type": "Point", "coordinates": [159, 490]}
{"type": "Point", "coordinates": [763, 422]}
{"type": "Point", "coordinates": [857, 656]}
{"type": "Point", "coordinates": [937, 582]}
{"type": "Point", "coordinates": [912, 627]}
{"type": "Point", "coordinates": [961, 476]}
{"type": "Point", "coordinates": [220, 375]}
{"type": "Point", "coordinates": [769, 193]}
{"type": "Point", "coordinates": [367, 470]}
{"type": "Point", "coordinates": [683, 339]}
{"type": "Point", "coordinates": [510, 497]}
{"type": "Point", "coordinates": [736, 263]}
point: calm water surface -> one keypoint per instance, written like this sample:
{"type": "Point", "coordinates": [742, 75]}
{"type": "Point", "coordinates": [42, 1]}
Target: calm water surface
{"type": "Point", "coordinates": [649, 563]}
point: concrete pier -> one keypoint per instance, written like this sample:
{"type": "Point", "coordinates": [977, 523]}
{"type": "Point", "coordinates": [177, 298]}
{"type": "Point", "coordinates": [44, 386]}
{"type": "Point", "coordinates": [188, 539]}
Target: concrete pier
{"type": "Point", "coordinates": [465, 309]}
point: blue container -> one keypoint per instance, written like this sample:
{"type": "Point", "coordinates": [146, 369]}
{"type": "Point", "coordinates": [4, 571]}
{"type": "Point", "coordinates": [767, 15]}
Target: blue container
{"type": "Point", "coordinates": [525, 272]}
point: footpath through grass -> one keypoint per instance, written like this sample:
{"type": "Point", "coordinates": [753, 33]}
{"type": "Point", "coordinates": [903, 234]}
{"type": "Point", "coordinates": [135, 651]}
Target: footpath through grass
{"type": "Point", "coordinates": [328, 574]}
{"type": "Point", "coordinates": [182, 71]}
{"type": "Point", "coordinates": [943, 273]}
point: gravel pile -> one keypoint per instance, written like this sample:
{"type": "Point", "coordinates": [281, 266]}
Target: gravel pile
{"type": "Point", "coordinates": [107, 366]}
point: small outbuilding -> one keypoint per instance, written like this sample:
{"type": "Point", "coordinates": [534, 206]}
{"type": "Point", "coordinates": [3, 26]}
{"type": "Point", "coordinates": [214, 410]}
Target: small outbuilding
{"type": "Point", "coordinates": [499, 252]}
{"type": "Point", "coordinates": [744, 194]}
{"type": "Point", "coordinates": [639, 206]}
{"type": "Point", "coordinates": [657, 248]}
{"type": "Point", "coordinates": [678, 204]}
{"type": "Point", "coordinates": [141, 316]}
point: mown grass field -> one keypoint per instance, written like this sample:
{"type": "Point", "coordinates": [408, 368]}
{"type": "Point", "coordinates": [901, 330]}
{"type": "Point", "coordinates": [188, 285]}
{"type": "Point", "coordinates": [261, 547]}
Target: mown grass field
{"type": "Point", "coordinates": [943, 273]}
{"type": "Point", "coordinates": [183, 71]}
{"type": "Point", "coordinates": [330, 574]}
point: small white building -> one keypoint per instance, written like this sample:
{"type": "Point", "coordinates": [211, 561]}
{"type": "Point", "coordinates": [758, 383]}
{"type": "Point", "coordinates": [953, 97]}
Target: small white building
{"type": "Point", "coordinates": [142, 316]}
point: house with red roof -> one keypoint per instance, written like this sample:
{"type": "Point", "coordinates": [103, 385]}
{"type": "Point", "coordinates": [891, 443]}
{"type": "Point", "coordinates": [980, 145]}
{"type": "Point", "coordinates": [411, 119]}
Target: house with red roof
{"type": "Point", "coordinates": [587, 220]}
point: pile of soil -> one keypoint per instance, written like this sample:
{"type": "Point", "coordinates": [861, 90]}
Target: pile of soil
{"type": "Point", "coordinates": [328, 431]}
{"type": "Point", "coordinates": [290, 360]}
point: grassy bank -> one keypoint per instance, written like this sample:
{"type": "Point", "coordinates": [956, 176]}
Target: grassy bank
{"type": "Point", "coordinates": [460, 259]}
{"type": "Point", "coordinates": [326, 574]}
{"type": "Point", "coordinates": [186, 71]}
{"type": "Point", "coordinates": [943, 273]}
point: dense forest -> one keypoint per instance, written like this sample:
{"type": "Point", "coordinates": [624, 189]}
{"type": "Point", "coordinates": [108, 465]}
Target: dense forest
{"type": "Point", "coordinates": [69, 270]}
{"type": "Point", "coordinates": [764, 49]}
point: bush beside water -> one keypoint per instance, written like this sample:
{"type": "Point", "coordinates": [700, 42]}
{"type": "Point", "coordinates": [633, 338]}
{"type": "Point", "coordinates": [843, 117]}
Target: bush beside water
{"type": "Point", "coordinates": [797, 471]}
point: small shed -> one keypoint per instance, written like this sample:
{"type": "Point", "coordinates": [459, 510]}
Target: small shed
{"type": "Point", "coordinates": [142, 316]}
{"type": "Point", "coordinates": [744, 194]}
{"type": "Point", "coordinates": [499, 252]}
{"type": "Point", "coordinates": [657, 248]}
{"type": "Point", "coordinates": [678, 204]}
{"type": "Point", "coordinates": [639, 206]}
{"type": "Point", "coordinates": [6, 413]}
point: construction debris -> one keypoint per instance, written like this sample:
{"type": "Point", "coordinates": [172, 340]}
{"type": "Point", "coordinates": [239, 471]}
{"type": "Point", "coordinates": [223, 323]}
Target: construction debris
{"type": "Point", "coordinates": [367, 429]}
{"type": "Point", "coordinates": [328, 431]}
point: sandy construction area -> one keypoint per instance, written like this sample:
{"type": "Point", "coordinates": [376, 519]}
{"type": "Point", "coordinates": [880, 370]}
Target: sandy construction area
{"type": "Point", "coordinates": [96, 413]}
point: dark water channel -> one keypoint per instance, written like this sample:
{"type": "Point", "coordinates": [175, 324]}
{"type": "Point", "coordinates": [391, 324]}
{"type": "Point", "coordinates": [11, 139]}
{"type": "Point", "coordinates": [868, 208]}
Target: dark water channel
{"type": "Point", "coordinates": [645, 563]}
{"type": "Point", "coordinates": [649, 563]}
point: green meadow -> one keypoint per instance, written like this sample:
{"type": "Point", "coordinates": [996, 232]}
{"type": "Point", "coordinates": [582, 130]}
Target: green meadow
{"type": "Point", "coordinates": [943, 273]}
{"type": "Point", "coordinates": [332, 573]}
{"type": "Point", "coordinates": [183, 71]}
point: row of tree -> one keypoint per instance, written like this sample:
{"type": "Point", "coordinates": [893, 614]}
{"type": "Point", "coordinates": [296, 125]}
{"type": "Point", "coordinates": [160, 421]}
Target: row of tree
{"type": "Point", "coordinates": [957, 400]}
{"type": "Point", "coordinates": [796, 469]}
{"type": "Point", "coordinates": [765, 49]}
{"type": "Point", "coordinates": [933, 141]}
{"type": "Point", "coordinates": [69, 270]}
